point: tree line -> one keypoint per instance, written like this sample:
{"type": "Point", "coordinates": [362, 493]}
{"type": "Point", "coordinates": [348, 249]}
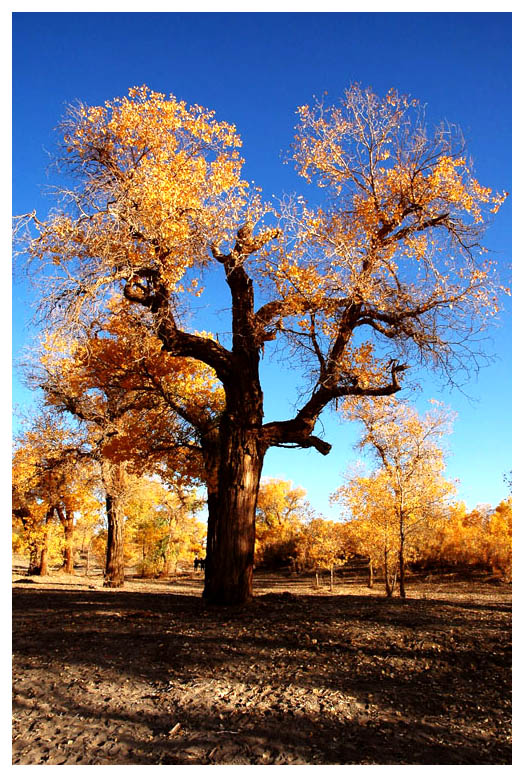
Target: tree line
{"type": "Point", "coordinates": [399, 515]}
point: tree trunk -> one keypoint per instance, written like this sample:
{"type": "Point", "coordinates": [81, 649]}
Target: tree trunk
{"type": "Point", "coordinates": [68, 566]}
{"type": "Point", "coordinates": [401, 587]}
{"type": "Point", "coordinates": [331, 578]}
{"type": "Point", "coordinates": [114, 571]}
{"type": "Point", "coordinates": [389, 590]}
{"type": "Point", "coordinates": [167, 555]}
{"type": "Point", "coordinates": [66, 519]}
{"type": "Point", "coordinates": [231, 506]}
{"type": "Point", "coordinates": [370, 573]}
{"type": "Point", "coordinates": [164, 572]}
{"type": "Point", "coordinates": [43, 566]}
{"type": "Point", "coordinates": [34, 565]}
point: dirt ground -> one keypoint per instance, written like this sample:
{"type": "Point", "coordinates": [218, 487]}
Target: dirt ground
{"type": "Point", "coordinates": [149, 674]}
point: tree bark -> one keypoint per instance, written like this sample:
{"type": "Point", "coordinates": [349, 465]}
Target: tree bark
{"type": "Point", "coordinates": [114, 571]}
{"type": "Point", "coordinates": [43, 566]}
{"type": "Point", "coordinates": [66, 519]}
{"type": "Point", "coordinates": [389, 590]}
{"type": "Point", "coordinates": [401, 565]}
{"type": "Point", "coordinates": [370, 573]}
{"type": "Point", "coordinates": [231, 527]}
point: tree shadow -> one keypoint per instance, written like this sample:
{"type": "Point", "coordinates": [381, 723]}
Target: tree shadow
{"type": "Point", "coordinates": [387, 657]}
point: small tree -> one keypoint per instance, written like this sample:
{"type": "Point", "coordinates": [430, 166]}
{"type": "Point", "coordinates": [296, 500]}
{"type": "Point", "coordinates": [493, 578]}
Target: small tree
{"type": "Point", "coordinates": [161, 527]}
{"type": "Point", "coordinates": [116, 388]}
{"type": "Point", "coordinates": [323, 545]}
{"type": "Point", "coordinates": [409, 490]}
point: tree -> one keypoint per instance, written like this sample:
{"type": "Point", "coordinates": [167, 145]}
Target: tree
{"type": "Point", "coordinates": [409, 490]}
{"type": "Point", "coordinates": [68, 387]}
{"type": "Point", "coordinates": [161, 527]}
{"type": "Point", "coordinates": [370, 524]}
{"type": "Point", "coordinates": [479, 537]}
{"type": "Point", "coordinates": [52, 479]}
{"type": "Point", "coordinates": [160, 207]}
{"type": "Point", "coordinates": [499, 536]}
{"type": "Point", "coordinates": [280, 516]}
{"type": "Point", "coordinates": [132, 400]}
{"type": "Point", "coordinates": [323, 545]}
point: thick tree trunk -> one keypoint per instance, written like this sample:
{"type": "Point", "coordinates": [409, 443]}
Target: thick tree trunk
{"type": "Point", "coordinates": [114, 571]}
{"type": "Point", "coordinates": [231, 528]}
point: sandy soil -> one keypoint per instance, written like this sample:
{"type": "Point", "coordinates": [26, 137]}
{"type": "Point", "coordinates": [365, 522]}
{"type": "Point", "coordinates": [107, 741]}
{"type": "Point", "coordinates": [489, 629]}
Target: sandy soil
{"type": "Point", "coordinates": [149, 674]}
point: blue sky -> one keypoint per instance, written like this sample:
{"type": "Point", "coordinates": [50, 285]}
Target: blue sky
{"type": "Point", "coordinates": [254, 69]}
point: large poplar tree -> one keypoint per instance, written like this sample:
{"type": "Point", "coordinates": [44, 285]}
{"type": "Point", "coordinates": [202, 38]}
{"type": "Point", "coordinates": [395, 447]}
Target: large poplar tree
{"type": "Point", "coordinates": [389, 270]}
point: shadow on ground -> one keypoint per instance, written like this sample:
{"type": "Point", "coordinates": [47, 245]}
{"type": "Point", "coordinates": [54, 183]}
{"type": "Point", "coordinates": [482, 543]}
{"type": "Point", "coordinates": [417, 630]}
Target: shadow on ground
{"type": "Point", "coordinates": [127, 677]}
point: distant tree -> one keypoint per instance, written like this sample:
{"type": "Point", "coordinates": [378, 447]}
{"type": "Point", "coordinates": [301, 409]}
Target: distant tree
{"type": "Point", "coordinates": [281, 513]}
{"type": "Point", "coordinates": [370, 524]}
{"type": "Point", "coordinates": [499, 538]}
{"type": "Point", "coordinates": [110, 388]}
{"type": "Point", "coordinates": [408, 490]}
{"type": "Point", "coordinates": [395, 256]}
{"type": "Point", "coordinates": [323, 546]}
{"type": "Point", "coordinates": [479, 537]}
{"type": "Point", "coordinates": [161, 527]}
{"type": "Point", "coordinates": [52, 482]}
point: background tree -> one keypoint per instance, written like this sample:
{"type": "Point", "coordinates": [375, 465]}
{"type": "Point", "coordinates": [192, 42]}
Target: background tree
{"type": "Point", "coordinates": [52, 481]}
{"type": "Point", "coordinates": [409, 490]}
{"type": "Point", "coordinates": [161, 527]}
{"type": "Point", "coordinates": [136, 401]}
{"type": "Point", "coordinates": [499, 530]}
{"type": "Point", "coordinates": [370, 525]}
{"type": "Point", "coordinates": [281, 513]}
{"type": "Point", "coordinates": [394, 257]}
{"type": "Point", "coordinates": [323, 546]}
{"type": "Point", "coordinates": [479, 538]}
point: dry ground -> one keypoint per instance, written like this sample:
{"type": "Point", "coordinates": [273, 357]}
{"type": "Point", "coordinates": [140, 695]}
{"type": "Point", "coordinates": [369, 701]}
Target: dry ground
{"type": "Point", "coordinates": [151, 675]}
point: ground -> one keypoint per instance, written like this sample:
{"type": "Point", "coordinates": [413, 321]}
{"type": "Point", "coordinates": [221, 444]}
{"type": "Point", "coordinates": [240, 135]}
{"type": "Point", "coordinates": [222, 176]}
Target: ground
{"type": "Point", "coordinates": [149, 674]}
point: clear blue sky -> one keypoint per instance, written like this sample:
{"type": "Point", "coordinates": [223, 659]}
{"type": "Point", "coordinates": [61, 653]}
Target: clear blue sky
{"type": "Point", "coordinates": [254, 69]}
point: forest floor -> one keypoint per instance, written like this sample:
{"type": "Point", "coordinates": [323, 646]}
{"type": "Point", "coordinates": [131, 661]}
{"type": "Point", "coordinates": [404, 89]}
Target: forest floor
{"type": "Point", "coordinates": [149, 674]}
